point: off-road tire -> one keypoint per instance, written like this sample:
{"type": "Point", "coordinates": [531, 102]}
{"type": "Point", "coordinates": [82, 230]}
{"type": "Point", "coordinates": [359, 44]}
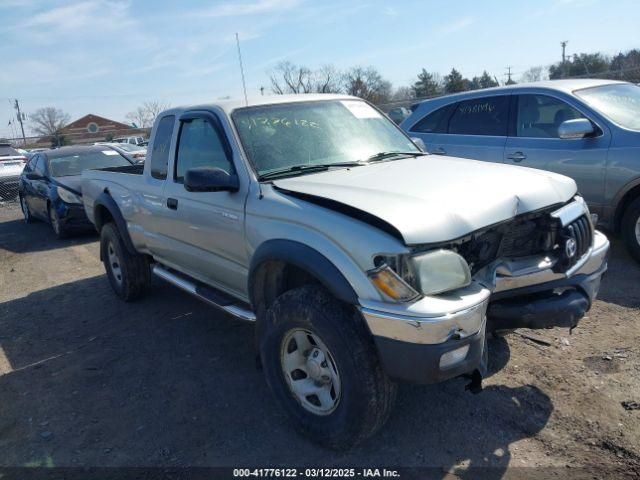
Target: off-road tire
{"type": "Point", "coordinates": [135, 274]}
{"type": "Point", "coordinates": [367, 394]}
{"type": "Point", "coordinates": [628, 228]}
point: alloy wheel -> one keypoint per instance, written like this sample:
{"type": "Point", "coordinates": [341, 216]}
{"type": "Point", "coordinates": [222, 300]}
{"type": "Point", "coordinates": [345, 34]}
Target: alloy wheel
{"type": "Point", "coordinates": [310, 371]}
{"type": "Point", "coordinates": [114, 264]}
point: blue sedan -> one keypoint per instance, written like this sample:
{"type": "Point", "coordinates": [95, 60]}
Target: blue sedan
{"type": "Point", "coordinates": [50, 187]}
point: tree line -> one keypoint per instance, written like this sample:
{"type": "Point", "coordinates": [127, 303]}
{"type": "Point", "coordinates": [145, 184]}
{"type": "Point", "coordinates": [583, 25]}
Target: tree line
{"type": "Point", "coordinates": [368, 83]}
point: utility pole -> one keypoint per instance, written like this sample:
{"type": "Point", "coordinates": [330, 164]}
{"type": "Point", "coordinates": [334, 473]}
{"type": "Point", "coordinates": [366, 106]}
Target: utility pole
{"type": "Point", "coordinates": [17, 107]}
{"type": "Point", "coordinates": [509, 81]}
{"type": "Point", "coordinates": [563, 44]}
{"type": "Point", "coordinates": [244, 86]}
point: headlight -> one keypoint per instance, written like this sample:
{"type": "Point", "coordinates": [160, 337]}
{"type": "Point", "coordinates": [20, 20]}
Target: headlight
{"type": "Point", "coordinates": [439, 271]}
{"type": "Point", "coordinates": [404, 278]}
{"type": "Point", "coordinates": [67, 196]}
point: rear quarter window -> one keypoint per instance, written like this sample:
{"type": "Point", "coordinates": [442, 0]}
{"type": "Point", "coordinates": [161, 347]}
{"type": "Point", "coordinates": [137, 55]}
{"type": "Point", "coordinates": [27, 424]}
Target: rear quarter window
{"type": "Point", "coordinates": [481, 116]}
{"type": "Point", "coordinates": [434, 122]}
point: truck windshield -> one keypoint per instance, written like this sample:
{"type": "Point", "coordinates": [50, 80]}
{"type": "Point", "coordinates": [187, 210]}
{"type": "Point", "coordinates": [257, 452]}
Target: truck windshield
{"type": "Point", "coordinates": [619, 102]}
{"type": "Point", "coordinates": [326, 132]}
{"type": "Point", "coordinates": [70, 165]}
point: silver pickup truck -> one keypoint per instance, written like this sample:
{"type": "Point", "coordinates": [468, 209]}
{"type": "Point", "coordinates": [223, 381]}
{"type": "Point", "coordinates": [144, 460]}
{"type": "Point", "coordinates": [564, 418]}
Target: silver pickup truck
{"type": "Point", "coordinates": [361, 260]}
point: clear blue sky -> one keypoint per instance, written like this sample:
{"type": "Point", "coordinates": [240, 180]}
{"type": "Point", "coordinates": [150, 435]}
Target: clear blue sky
{"type": "Point", "coordinates": [107, 56]}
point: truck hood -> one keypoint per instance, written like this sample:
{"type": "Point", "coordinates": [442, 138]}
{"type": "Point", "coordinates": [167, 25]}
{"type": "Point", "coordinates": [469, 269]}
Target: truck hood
{"type": "Point", "coordinates": [433, 199]}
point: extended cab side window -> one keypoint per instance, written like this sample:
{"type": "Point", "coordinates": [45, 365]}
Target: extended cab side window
{"type": "Point", "coordinates": [200, 145]}
{"type": "Point", "coordinates": [434, 122]}
{"type": "Point", "coordinates": [540, 116]}
{"type": "Point", "coordinates": [161, 146]}
{"type": "Point", "coordinates": [481, 116]}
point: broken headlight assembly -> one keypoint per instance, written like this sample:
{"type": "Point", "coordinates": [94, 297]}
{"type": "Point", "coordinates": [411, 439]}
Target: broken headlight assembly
{"type": "Point", "coordinates": [405, 277]}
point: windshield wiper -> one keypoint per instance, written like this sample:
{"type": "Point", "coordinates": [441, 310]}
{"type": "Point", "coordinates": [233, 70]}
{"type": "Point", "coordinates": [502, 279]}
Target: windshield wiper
{"type": "Point", "coordinates": [305, 168]}
{"type": "Point", "coordinates": [384, 155]}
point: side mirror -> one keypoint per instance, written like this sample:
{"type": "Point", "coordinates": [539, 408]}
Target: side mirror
{"type": "Point", "coordinates": [419, 143]}
{"type": "Point", "coordinates": [210, 179]}
{"type": "Point", "coordinates": [576, 128]}
{"type": "Point", "coordinates": [34, 176]}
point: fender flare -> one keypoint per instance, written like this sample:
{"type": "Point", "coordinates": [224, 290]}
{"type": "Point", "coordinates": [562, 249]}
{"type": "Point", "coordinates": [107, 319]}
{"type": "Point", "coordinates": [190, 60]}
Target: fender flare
{"type": "Point", "coordinates": [105, 200]}
{"type": "Point", "coordinates": [307, 259]}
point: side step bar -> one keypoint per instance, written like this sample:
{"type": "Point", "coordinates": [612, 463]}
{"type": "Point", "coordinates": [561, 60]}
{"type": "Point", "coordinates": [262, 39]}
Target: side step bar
{"type": "Point", "coordinates": [205, 293]}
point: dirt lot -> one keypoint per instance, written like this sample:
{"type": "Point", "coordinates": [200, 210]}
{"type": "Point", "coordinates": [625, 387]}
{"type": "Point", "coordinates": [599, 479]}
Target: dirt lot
{"type": "Point", "coordinates": [86, 380]}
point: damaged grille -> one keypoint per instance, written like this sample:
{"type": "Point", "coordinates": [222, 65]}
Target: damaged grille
{"type": "Point", "coordinates": [534, 234]}
{"type": "Point", "coordinates": [576, 238]}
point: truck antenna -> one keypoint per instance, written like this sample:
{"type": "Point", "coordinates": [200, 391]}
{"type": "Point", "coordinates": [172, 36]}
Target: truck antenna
{"type": "Point", "coordinates": [244, 86]}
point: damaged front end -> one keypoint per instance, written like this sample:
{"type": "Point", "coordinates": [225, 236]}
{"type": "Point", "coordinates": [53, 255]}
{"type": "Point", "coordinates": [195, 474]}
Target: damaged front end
{"type": "Point", "coordinates": [537, 270]}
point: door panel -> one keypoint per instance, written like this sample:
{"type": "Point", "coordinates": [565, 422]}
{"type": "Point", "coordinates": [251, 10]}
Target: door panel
{"type": "Point", "coordinates": [208, 226]}
{"type": "Point", "coordinates": [537, 145]}
{"type": "Point", "coordinates": [40, 190]}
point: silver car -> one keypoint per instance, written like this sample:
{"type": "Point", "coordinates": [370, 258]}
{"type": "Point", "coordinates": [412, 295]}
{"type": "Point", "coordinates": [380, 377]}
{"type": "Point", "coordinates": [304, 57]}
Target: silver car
{"type": "Point", "coordinates": [11, 164]}
{"type": "Point", "coordinates": [586, 129]}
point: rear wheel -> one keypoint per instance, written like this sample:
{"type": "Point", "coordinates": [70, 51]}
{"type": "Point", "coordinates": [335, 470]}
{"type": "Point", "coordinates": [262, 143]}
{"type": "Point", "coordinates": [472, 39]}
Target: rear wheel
{"type": "Point", "coordinates": [630, 228]}
{"type": "Point", "coordinates": [25, 210]}
{"type": "Point", "coordinates": [129, 274]}
{"type": "Point", "coordinates": [321, 364]}
{"type": "Point", "coordinates": [56, 225]}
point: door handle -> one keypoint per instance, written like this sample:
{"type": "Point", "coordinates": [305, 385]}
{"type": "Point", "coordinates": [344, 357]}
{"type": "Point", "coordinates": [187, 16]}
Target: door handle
{"type": "Point", "coordinates": [516, 156]}
{"type": "Point", "coordinates": [172, 203]}
{"type": "Point", "coordinates": [439, 151]}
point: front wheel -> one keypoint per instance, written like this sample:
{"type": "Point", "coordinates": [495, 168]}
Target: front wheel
{"type": "Point", "coordinates": [630, 228]}
{"type": "Point", "coordinates": [321, 364]}
{"type": "Point", "coordinates": [129, 274]}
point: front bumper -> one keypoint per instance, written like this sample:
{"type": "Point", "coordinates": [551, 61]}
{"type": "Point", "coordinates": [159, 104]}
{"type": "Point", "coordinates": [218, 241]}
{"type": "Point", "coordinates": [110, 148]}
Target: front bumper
{"type": "Point", "coordinates": [412, 339]}
{"type": "Point", "coordinates": [72, 217]}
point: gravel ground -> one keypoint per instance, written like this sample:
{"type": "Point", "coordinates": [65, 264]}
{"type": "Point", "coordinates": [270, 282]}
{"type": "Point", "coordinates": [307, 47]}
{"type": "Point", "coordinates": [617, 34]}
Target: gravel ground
{"type": "Point", "coordinates": [86, 380]}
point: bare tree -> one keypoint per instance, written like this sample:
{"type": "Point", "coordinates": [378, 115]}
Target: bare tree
{"type": "Point", "coordinates": [291, 78]}
{"type": "Point", "coordinates": [145, 114]}
{"type": "Point", "coordinates": [288, 77]}
{"type": "Point", "coordinates": [404, 93]}
{"type": "Point", "coordinates": [327, 80]}
{"type": "Point", "coordinates": [534, 74]}
{"type": "Point", "coordinates": [367, 83]}
{"type": "Point", "coordinates": [48, 120]}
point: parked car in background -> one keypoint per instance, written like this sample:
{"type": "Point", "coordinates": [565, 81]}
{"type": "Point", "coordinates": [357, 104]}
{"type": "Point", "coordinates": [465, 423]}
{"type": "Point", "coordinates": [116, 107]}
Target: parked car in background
{"type": "Point", "coordinates": [51, 189]}
{"type": "Point", "coordinates": [588, 130]}
{"type": "Point", "coordinates": [398, 114]}
{"type": "Point", "coordinates": [131, 140]}
{"type": "Point", "coordinates": [135, 153]}
{"type": "Point", "coordinates": [11, 164]}
{"type": "Point", "coordinates": [361, 260]}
